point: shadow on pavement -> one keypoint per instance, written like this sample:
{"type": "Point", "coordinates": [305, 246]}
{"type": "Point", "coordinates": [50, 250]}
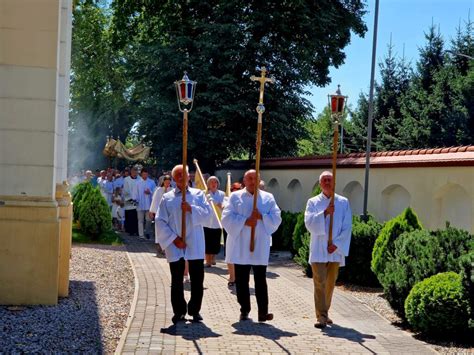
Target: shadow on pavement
{"type": "Point", "coordinates": [264, 330]}
{"type": "Point", "coordinates": [190, 331]}
{"type": "Point", "coordinates": [336, 331]}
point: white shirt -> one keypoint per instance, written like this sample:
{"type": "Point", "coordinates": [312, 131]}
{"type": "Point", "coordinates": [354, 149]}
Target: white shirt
{"type": "Point", "coordinates": [157, 195]}
{"type": "Point", "coordinates": [144, 200]}
{"type": "Point", "coordinates": [216, 197]}
{"type": "Point", "coordinates": [168, 224]}
{"type": "Point", "coordinates": [235, 213]}
{"type": "Point", "coordinates": [130, 192]}
{"type": "Point", "coordinates": [318, 226]}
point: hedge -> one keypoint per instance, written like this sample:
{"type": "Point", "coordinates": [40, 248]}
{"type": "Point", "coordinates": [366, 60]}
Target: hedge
{"type": "Point", "coordinates": [94, 213]}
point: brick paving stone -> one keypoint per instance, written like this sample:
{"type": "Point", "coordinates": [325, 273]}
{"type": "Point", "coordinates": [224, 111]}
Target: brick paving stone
{"type": "Point", "coordinates": [357, 329]}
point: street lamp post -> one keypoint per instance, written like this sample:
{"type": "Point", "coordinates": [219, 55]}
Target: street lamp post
{"type": "Point", "coordinates": [365, 216]}
{"type": "Point", "coordinates": [337, 104]}
{"type": "Point", "coordinates": [185, 89]}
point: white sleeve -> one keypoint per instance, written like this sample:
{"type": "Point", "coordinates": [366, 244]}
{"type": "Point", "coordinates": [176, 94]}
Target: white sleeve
{"type": "Point", "coordinates": [272, 219]}
{"type": "Point", "coordinates": [165, 235]}
{"type": "Point", "coordinates": [343, 240]}
{"type": "Point", "coordinates": [232, 221]}
{"type": "Point", "coordinates": [314, 219]}
{"type": "Point", "coordinates": [201, 209]}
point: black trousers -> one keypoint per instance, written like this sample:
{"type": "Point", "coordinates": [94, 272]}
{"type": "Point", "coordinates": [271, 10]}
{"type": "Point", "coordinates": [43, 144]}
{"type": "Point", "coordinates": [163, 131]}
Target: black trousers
{"type": "Point", "coordinates": [242, 278]}
{"type": "Point", "coordinates": [131, 222]}
{"type": "Point", "coordinates": [196, 274]}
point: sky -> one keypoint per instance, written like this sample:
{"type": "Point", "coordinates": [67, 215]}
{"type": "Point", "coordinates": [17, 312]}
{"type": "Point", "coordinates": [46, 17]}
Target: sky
{"type": "Point", "coordinates": [406, 21]}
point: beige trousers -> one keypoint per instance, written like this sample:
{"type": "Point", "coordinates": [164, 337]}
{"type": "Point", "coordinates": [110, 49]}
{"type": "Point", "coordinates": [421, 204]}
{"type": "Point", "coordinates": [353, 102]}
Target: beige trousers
{"type": "Point", "coordinates": [324, 280]}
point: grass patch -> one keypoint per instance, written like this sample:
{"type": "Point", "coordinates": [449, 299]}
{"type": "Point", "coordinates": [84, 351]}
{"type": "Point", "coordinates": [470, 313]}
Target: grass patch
{"type": "Point", "coordinates": [108, 238]}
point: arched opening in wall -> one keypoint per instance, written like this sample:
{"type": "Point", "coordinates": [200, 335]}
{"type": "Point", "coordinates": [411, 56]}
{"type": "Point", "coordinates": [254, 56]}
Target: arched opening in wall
{"type": "Point", "coordinates": [355, 194]}
{"type": "Point", "coordinates": [296, 196]}
{"type": "Point", "coordinates": [274, 187]}
{"type": "Point", "coordinates": [452, 203]}
{"type": "Point", "coordinates": [395, 198]}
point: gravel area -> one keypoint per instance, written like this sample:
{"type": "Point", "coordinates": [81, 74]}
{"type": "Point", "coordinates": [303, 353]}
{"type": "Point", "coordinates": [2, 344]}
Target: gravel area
{"type": "Point", "coordinates": [90, 320]}
{"type": "Point", "coordinates": [373, 297]}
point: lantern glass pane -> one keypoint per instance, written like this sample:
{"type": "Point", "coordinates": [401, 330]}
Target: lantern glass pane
{"type": "Point", "coordinates": [182, 91]}
{"type": "Point", "coordinates": [333, 104]}
{"type": "Point", "coordinates": [190, 91]}
{"type": "Point", "coordinates": [340, 106]}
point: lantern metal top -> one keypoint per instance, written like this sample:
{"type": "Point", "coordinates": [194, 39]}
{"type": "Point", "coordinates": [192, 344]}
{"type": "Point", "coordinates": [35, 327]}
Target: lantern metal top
{"type": "Point", "coordinates": [185, 89]}
{"type": "Point", "coordinates": [337, 102]}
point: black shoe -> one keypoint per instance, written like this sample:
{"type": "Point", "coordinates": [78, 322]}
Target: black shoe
{"type": "Point", "coordinates": [320, 325]}
{"type": "Point", "coordinates": [244, 316]}
{"type": "Point", "coordinates": [265, 317]}
{"type": "Point", "coordinates": [178, 318]}
{"type": "Point", "coordinates": [197, 318]}
{"type": "Point", "coordinates": [230, 284]}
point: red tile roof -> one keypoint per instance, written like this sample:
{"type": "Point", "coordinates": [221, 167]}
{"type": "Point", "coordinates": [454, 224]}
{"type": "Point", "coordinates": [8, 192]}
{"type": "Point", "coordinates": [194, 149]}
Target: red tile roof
{"type": "Point", "coordinates": [433, 157]}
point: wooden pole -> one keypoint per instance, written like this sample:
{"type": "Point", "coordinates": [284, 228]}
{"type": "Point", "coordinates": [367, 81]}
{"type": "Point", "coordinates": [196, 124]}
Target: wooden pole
{"type": "Point", "coordinates": [257, 169]}
{"type": "Point", "coordinates": [334, 162]}
{"type": "Point", "coordinates": [185, 174]}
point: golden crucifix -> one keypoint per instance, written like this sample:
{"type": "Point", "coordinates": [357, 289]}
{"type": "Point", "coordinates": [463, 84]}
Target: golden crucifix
{"type": "Point", "coordinates": [260, 110]}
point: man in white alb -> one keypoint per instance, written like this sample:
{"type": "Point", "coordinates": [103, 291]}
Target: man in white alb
{"type": "Point", "coordinates": [238, 218]}
{"type": "Point", "coordinates": [168, 226]}
{"type": "Point", "coordinates": [325, 259]}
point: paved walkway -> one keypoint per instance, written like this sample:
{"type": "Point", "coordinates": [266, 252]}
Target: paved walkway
{"type": "Point", "coordinates": [357, 329]}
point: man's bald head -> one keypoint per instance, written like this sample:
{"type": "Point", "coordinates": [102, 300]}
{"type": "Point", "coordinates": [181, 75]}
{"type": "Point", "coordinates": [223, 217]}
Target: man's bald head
{"type": "Point", "coordinates": [250, 180]}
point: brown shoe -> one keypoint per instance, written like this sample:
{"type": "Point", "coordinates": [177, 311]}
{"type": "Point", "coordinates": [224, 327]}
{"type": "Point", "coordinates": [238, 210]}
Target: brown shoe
{"type": "Point", "coordinates": [329, 321]}
{"type": "Point", "coordinates": [320, 325]}
{"type": "Point", "coordinates": [265, 317]}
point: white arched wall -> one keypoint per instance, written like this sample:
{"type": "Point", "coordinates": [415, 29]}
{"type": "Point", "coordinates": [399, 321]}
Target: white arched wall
{"type": "Point", "coordinates": [355, 194]}
{"type": "Point", "coordinates": [395, 198]}
{"type": "Point", "coordinates": [295, 191]}
{"type": "Point", "coordinates": [453, 204]}
{"type": "Point", "coordinates": [274, 188]}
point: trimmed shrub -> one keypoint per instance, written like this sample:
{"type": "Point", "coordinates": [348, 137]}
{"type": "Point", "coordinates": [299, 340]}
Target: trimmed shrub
{"type": "Point", "coordinates": [415, 258]}
{"type": "Point", "coordinates": [438, 305]}
{"type": "Point", "coordinates": [78, 193]}
{"type": "Point", "coordinates": [94, 214]}
{"type": "Point", "coordinates": [298, 232]}
{"type": "Point", "coordinates": [283, 237]}
{"type": "Point", "coordinates": [303, 254]}
{"type": "Point", "coordinates": [357, 269]}
{"type": "Point", "coordinates": [384, 245]}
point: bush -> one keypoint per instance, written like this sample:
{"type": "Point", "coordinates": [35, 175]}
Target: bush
{"type": "Point", "coordinates": [282, 238]}
{"type": "Point", "coordinates": [94, 214]}
{"type": "Point", "coordinates": [415, 258]}
{"type": "Point", "coordinates": [303, 254]}
{"type": "Point", "coordinates": [298, 232]}
{"type": "Point", "coordinates": [357, 269]}
{"type": "Point", "coordinates": [466, 265]}
{"type": "Point", "coordinates": [438, 305]}
{"type": "Point", "coordinates": [454, 243]}
{"type": "Point", "coordinates": [78, 193]}
{"type": "Point", "coordinates": [384, 244]}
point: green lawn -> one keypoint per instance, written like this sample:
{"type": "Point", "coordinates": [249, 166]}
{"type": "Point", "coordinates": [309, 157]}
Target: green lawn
{"type": "Point", "coordinates": [108, 238]}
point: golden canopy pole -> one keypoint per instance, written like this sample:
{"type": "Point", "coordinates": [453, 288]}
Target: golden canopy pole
{"type": "Point", "coordinates": [260, 110]}
{"type": "Point", "coordinates": [185, 89]}
{"type": "Point", "coordinates": [337, 105]}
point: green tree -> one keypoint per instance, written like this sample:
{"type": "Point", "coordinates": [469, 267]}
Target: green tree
{"type": "Point", "coordinates": [319, 135]}
{"type": "Point", "coordinates": [221, 43]}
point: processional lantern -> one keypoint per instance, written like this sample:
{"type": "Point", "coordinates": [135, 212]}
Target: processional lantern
{"type": "Point", "coordinates": [185, 89]}
{"type": "Point", "coordinates": [337, 104]}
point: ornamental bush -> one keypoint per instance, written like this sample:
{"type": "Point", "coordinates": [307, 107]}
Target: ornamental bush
{"type": "Point", "coordinates": [454, 243]}
{"type": "Point", "coordinates": [94, 214]}
{"type": "Point", "coordinates": [466, 265]}
{"type": "Point", "coordinates": [303, 254]}
{"type": "Point", "coordinates": [78, 193]}
{"type": "Point", "coordinates": [384, 244]}
{"type": "Point", "coordinates": [415, 257]}
{"type": "Point", "coordinates": [438, 305]}
{"type": "Point", "coordinates": [357, 269]}
{"type": "Point", "coordinates": [283, 237]}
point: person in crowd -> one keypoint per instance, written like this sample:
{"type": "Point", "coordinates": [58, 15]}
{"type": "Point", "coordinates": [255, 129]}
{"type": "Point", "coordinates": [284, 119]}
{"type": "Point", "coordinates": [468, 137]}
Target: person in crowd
{"type": "Point", "coordinates": [197, 211]}
{"type": "Point", "coordinates": [213, 230]}
{"type": "Point", "coordinates": [238, 218]}
{"type": "Point", "coordinates": [165, 186]}
{"type": "Point", "coordinates": [130, 195]}
{"type": "Point", "coordinates": [109, 190]}
{"type": "Point", "coordinates": [146, 187]}
{"type": "Point", "coordinates": [118, 181]}
{"type": "Point", "coordinates": [236, 186]}
{"type": "Point", "coordinates": [326, 258]}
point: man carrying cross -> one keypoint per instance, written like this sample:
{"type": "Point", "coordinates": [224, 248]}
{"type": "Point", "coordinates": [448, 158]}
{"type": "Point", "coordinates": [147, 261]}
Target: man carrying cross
{"type": "Point", "coordinates": [238, 218]}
